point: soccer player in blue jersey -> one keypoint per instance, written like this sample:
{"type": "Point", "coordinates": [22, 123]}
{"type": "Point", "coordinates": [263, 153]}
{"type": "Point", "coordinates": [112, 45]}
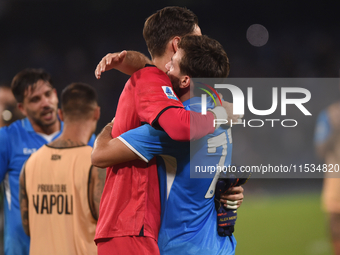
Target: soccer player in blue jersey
{"type": "Point", "coordinates": [188, 220]}
{"type": "Point", "coordinates": [38, 101]}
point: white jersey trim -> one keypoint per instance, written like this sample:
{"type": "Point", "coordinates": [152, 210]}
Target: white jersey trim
{"type": "Point", "coordinates": [171, 170]}
{"type": "Point", "coordinates": [133, 149]}
{"type": "Point", "coordinates": [8, 191]}
{"type": "Point", "coordinates": [50, 137]}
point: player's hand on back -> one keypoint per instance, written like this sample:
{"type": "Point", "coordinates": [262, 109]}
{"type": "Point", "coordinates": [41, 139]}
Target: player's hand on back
{"type": "Point", "coordinates": [110, 61]}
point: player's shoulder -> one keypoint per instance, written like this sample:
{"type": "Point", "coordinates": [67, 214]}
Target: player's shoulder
{"type": "Point", "coordinates": [11, 131]}
{"type": "Point", "coordinates": [4, 132]}
{"type": "Point", "coordinates": [79, 150]}
{"type": "Point", "coordinates": [80, 153]}
{"type": "Point", "coordinates": [4, 139]}
{"type": "Point", "coordinates": [149, 73]}
{"type": "Point", "coordinates": [14, 127]}
{"type": "Point", "coordinates": [85, 150]}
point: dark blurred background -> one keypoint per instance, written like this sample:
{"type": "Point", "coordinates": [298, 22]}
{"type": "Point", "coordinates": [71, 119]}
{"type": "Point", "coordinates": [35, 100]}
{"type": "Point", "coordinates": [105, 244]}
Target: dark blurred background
{"type": "Point", "coordinates": [68, 39]}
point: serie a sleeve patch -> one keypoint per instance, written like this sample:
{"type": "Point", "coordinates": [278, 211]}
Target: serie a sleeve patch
{"type": "Point", "coordinates": [169, 92]}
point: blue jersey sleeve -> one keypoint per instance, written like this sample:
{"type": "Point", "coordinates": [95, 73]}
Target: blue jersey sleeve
{"type": "Point", "coordinates": [4, 152]}
{"type": "Point", "coordinates": [148, 142]}
{"type": "Point", "coordinates": [323, 128]}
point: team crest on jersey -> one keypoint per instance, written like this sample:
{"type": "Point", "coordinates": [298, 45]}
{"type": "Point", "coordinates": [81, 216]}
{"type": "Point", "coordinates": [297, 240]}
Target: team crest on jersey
{"type": "Point", "coordinates": [169, 92]}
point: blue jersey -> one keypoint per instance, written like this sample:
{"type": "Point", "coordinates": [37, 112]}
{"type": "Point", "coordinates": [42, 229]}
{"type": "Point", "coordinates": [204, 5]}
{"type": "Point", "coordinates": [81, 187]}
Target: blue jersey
{"type": "Point", "coordinates": [323, 128]}
{"type": "Point", "coordinates": [188, 220]}
{"type": "Point", "coordinates": [17, 143]}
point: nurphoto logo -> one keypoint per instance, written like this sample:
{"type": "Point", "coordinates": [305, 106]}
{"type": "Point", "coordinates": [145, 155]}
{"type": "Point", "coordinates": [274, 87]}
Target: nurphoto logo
{"type": "Point", "coordinates": [238, 99]}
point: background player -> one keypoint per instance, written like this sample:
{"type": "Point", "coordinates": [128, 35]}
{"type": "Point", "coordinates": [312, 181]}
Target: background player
{"type": "Point", "coordinates": [188, 222]}
{"type": "Point", "coordinates": [59, 189]}
{"type": "Point", "coordinates": [147, 97]}
{"type": "Point", "coordinates": [38, 102]}
{"type": "Point", "coordinates": [8, 114]}
{"type": "Point", "coordinates": [8, 107]}
{"type": "Point", "coordinates": [327, 144]}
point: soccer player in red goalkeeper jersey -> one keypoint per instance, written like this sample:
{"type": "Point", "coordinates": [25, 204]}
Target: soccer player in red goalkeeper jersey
{"type": "Point", "coordinates": [129, 217]}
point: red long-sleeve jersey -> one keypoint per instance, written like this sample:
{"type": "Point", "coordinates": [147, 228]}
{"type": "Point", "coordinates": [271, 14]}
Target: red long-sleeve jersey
{"type": "Point", "coordinates": [130, 203]}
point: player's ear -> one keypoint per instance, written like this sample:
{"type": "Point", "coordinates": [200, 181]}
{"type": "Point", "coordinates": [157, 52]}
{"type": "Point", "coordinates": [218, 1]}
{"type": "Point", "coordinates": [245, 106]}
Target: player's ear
{"type": "Point", "coordinates": [60, 114]}
{"type": "Point", "coordinates": [22, 109]}
{"type": "Point", "coordinates": [97, 113]}
{"type": "Point", "coordinates": [175, 42]}
{"type": "Point", "coordinates": [185, 82]}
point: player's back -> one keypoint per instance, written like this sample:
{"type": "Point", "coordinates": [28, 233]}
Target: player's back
{"type": "Point", "coordinates": [189, 218]}
{"type": "Point", "coordinates": [60, 218]}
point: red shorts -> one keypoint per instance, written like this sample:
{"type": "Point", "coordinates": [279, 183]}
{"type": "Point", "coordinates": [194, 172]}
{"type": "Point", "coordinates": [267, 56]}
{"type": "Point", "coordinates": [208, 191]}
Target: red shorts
{"type": "Point", "coordinates": [126, 245]}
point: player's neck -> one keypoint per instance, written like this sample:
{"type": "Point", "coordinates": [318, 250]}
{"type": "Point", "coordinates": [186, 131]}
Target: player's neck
{"type": "Point", "coordinates": [160, 62]}
{"type": "Point", "coordinates": [187, 94]}
{"type": "Point", "coordinates": [74, 134]}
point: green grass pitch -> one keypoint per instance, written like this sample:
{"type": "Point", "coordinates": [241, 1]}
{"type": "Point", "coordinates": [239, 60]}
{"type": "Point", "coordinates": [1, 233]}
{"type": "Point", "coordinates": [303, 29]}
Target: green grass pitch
{"type": "Point", "coordinates": [275, 225]}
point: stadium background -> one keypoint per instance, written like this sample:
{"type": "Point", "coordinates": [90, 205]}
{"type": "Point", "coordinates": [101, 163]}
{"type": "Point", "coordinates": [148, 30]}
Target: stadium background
{"type": "Point", "coordinates": [68, 39]}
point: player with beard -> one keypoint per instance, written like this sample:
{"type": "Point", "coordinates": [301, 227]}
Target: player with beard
{"type": "Point", "coordinates": [129, 216]}
{"type": "Point", "coordinates": [38, 102]}
{"type": "Point", "coordinates": [188, 215]}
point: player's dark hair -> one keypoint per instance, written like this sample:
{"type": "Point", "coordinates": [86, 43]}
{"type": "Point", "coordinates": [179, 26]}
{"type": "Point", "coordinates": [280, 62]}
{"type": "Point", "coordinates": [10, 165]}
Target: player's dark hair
{"type": "Point", "coordinates": [28, 78]}
{"type": "Point", "coordinates": [164, 25]}
{"type": "Point", "coordinates": [203, 57]}
{"type": "Point", "coordinates": [78, 100]}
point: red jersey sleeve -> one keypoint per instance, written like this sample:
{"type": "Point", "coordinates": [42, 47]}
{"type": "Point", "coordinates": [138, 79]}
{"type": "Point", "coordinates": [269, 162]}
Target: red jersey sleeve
{"type": "Point", "coordinates": [156, 102]}
{"type": "Point", "coordinates": [183, 125]}
{"type": "Point", "coordinates": [154, 94]}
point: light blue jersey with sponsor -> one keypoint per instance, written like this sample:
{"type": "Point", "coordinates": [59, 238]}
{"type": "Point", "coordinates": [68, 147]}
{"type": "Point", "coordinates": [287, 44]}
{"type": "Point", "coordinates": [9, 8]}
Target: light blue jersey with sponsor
{"type": "Point", "coordinates": [17, 143]}
{"type": "Point", "coordinates": [188, 220]}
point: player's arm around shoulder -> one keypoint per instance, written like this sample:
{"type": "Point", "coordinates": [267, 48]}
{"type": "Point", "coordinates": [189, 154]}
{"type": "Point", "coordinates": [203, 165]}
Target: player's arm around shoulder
{"type": "Point", "coordinates": [23, 200]}
{"type": "Point", "coordinates": [96, 186]}
{"type": "Point", "coordinates": [108, 151]}
{"type": "Point", "coordinates": [126, 62]}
